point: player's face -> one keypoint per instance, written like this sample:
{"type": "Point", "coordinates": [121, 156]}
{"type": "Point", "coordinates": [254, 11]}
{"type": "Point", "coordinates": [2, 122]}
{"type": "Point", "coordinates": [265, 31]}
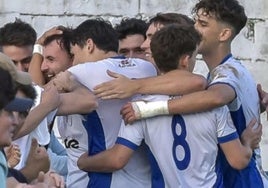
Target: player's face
{"type": "Point", "coordinates": [21, 56]}
{"type": "Point", "coordinates": [6, 128]}
{"type": "Point", "coordinates": [146, 44]}
{"type": "Point", "coordinates": [131, 46]}
{"type": "Point", "coordinates": [210, 30]}
{"type": "Point", "coordinates": [55, 60]}
{"type": "Point", "coordinates": [81, 55]}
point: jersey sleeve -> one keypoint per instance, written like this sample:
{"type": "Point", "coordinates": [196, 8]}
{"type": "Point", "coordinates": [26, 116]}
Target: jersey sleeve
{"type": "Point", "coordinates": [224, 74]}
{"type": "Point", "coordinates": [132, 135]}
{"type": "Point", "coordinates": [225, 128]}
{"type": "Point", "coordinates": [90, 74]}
{"type": "Point", "coordinates": [228, 74]}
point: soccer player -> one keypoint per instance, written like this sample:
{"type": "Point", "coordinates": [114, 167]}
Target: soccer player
{"type": "Point", "coordinates": [185, 146]}
{"type": "Point", "coordinates": [94, 46]}
{"type": "Point", "coordinates": [230, 83]}
{"type": "Point", "coordinates": [131, 34]}
{"type": "Point", "coordinates": [47, 63]}
{"type": "Point", "coordinates": [16, 41]}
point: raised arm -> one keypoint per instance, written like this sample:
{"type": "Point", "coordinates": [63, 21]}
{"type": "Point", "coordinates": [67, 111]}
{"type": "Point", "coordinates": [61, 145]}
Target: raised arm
{"type": "Point", "coordinates": [107, 161]}
{"type": "Point", "coordinates": [176, 82]}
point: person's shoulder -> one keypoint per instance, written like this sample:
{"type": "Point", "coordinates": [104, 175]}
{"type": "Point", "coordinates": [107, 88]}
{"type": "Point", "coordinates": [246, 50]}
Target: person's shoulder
{"type": "Point", "coordinates": [140, 61]}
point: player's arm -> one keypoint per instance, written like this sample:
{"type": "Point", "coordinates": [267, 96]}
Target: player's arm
{"type": "Point", "coordinates": [50, 100]}
{"type": "Point", "coordinates": [238, 153]}
{"type": "Point", "coordinates": [107, 161]}
{"type": "Point", "coordinates": [176, 82]}
{"type": "Point", "coordinates": [75, 98]}
{"type": "Point", "coordinates": [215, 96]}
{"type": "Point", "coordinates": [79, 101]}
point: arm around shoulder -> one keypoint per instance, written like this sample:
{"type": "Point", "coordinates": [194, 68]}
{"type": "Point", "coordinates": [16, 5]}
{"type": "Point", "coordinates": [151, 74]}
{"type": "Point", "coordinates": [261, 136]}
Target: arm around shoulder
{"type": "Point", "coordinates": [109, 160]}
{"type": "Point", "coordinates": [176, 82]}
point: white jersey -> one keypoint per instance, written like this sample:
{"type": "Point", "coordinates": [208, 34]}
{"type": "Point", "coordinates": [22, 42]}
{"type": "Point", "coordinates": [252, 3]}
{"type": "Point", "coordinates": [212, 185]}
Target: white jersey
{"type": "Point", "coordinates": [184, 146]}
{"type": "Point", "coordinates": [243, 109]}
{"type": "Point", "coordinates": [103, 124]}
{"type": "Point", "coordinates": [74, 135]}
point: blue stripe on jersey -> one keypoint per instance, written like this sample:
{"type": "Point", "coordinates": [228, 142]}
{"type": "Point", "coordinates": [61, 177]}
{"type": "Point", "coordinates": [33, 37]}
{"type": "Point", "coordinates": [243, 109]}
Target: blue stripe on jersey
{"type": "Point", "coordinates": [249, 176]}
{"type": "Point", "coordinates": [126, 143]}
{"type": "Point", "coordinates": [157, 176]}
{"type": "Point", "coordinates": [96, 144]}
{"type": "Point", "coordinates": [218, 171]}
{"type": "Point", "coordinates": [228, 138]}
{"type": "Point", "coordinates": [239, 120]}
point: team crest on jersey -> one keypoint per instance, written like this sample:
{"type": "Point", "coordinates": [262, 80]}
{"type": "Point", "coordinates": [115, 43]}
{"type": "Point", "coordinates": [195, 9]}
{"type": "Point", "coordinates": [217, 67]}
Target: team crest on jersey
{"type": "Point", "coordinates": [126, 63]}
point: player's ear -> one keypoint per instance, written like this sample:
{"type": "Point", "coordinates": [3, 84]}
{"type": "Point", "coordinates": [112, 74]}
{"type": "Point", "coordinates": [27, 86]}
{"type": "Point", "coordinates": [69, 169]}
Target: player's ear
{"type": "Point", "coordinates": [183, 62]}
{"type": "Point", "coordinates": [90, 45]}
{"type": "Point", "coordinates": [225, 34]}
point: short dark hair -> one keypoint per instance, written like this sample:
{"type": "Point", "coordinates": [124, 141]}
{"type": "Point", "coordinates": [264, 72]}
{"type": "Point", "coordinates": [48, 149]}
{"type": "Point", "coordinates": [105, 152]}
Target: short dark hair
{"type": "Point", "coordinates": [131, 26]}
{"type": "Point", "coordinates": [171, 42]}
{"type": "Point", "coordinates": [228, 11]}
{"type": "Point", "coordinates": [27, 90]}
{"type": "Point", "coordinates": [100, 31]}
{"type": "Point", "coordinates": [17, 33]}
{"type": "Point", "coordinates": [7, 89]}
{"type": "Point", "coordinates": [64, 39]}
{"type": "Point", "coordinates": [171, 18]}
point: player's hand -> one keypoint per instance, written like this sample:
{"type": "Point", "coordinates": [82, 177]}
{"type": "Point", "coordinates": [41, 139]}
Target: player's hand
{"type": "Point", "coordinates": [129, 114]}
{"type": "Point", "coordinates": [64, 82]}
{"type": "Point", "coordinates": [251, 136]}
{"type": "Point", "coordinates": [50, 32]}
{"type": "Point", "coordinates": [13, 155]}
{"type": "Point", "coordinates": [54, 179]}
{"type": "Point", "coordinates": [119, 88]}
{"type": "Point", "coordinates": [38, 159]}
{"type": "Point", "coordinates": [48, 180]}
{"type": "Point", "coordinates": [263, 99]}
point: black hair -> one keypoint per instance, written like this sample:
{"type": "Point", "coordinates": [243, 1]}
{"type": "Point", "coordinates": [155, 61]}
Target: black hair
{"type": "Point", "coordinates": [100, 31]}
{"type": "Point", "coordinates": [131, 26]}
{"type": "Point", "coordinates": [17, 33]}
{"type": "Point", "coordinates": [64, 39]}
{"type": "Point", "coordinates": [171, 42]}
{"type": "Point", "coordinates": [171, 18]}
{"type": "Point", "coordinates": [228, 11]}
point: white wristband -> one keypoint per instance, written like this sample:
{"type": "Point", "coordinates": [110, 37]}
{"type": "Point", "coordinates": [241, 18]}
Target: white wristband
{"type": "Point", "coordinates": [150, 109]}
{"type": "Point", "coordinates": [38, 49]}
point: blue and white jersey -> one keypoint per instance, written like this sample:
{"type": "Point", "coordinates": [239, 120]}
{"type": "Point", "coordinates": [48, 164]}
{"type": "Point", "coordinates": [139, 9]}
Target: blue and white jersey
{"type": "Point", "coordinates": [243, 108]}
{"type": "Point", "coordinates": [74, 135]}
{"type": "Point", "coordinates": [184, 146]}
{"type": "Point", "coordinates": [103, 124]}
